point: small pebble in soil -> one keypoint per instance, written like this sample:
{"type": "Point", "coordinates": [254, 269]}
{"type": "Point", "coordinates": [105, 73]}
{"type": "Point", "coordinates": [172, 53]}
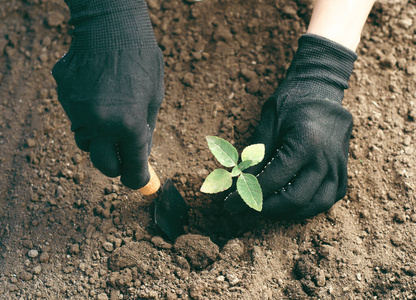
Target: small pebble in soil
{"type": "Point", "coordinates": [396, 239]}
{"type": "Point", "coordinates": [400, 217]}
{"type": "Point", "coordinates": [33, 253]}
{"type": "Point", "coordinates": [68, 269]}
{"type": "Point", "coordinates": [25, 276]}
{"type": "Point", "coordinates": [108, 246]}
{"type": "Point", "coordinates": [77, 159]}
{"type": "Point", "coordinates": [74, 249]}
{"type": "Point", "coordinates": [37, 270]}
{"type": "Point", "coordinates": [31, 143]}
{"type": "Point", "coordinates": [59, 193]}
{"type": "Point", "coordinates": [44, 257]}
{"type": "Point", "coordinates": [388, 61]}
{"type": "Point", "coordinates": [188, 79]}
{"type": "Point", "coordinates": [232, 279]}
{"type": "Point", "coordinates": [102, 296]}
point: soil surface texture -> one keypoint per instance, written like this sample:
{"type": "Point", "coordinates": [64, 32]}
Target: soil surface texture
{"type": "Point", "coordinates": [69, 232]}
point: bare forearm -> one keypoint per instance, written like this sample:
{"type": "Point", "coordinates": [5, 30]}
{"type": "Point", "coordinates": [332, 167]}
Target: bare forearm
{"type": "Point", "coordinates": [341, 21]}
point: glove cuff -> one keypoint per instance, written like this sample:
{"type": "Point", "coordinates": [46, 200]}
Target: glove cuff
{"type": "Point", "coordinates": [107, 25]}
{"type": "Point", "coordinates": [321, 67]}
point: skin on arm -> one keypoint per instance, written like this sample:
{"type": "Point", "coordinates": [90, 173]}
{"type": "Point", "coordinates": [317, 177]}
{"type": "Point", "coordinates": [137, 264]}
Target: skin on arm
{"type": "Point", "coordinates": [341, 21]}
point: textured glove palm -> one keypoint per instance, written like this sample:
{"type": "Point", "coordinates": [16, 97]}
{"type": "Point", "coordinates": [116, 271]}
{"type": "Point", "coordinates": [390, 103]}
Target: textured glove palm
{"type": "Point", "coordinates": [306, 132]}
{"type": "Point", "coordinates": [110, 84]}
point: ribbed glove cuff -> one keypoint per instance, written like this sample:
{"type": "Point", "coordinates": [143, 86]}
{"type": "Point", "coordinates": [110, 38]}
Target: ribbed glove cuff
{"type": "Point", "coordinates": [107, 25]}
{"type": "Point", "coordinates": [321, 67]}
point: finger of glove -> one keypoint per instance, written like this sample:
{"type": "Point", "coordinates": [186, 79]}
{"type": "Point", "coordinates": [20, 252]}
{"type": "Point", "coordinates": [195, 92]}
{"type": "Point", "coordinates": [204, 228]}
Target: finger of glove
{"type": "Point", "coordinates": [277, 173]}
{"type": "Point", "coordinates": [134, 164]}
{"type": "Point", "coordinates": [283, 166]}
{"type": "Point", "coordinates": [323, 200]}
{"type": "Point", "coordinates": [103, 153]}
{"type": "Point", "coordinates": [297, 194]}
{"type": "Point", "coordinates": [82, 144]}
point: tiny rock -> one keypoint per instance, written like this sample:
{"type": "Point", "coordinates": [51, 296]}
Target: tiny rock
{"type": "Point", "coordinates": [33, 253]}
{"type": "Point", "coordinates": [409, 150]}
{"type": "Point", "coordinates": [44, 257]}
{"type": "Point", "coordinates": [222, 34]}
{"type": "Point", "coordinates": [82, 266]}
{"type": "Point", "coordinates": [37, 270]}
{"type": "Point", "coordinates": [74, 249]}
{"type": "Point", "coordinates": [411, 70]}
{"type": "Point", "coordinates": [400, 217]}
{"type": "Point", "coordinates": [31, 143]}
{"type": "Point", "coordinates": [232, 279]}
{"type": "Point", "coordinates": [406, 23]}
{"type": "Point", "coordinates": [25, 276]}
{"type": "Point", "coordinates": [396, 240]}
{"type": "Point", "coordinates": [388, 61]}
{"type": "Point", "coordinates": [68, 269]}
{"type": "Point", "coordinates": [407, 140]}
{"type": "Point", "coordinates": [77, 159]}
{"type": "Point", "coordinates": [249, 74]}
{"type": "Point", "coordinates": [188, 79]}
{"type": "Point", "coordinates": [320, 278]}
{"type": "Point", "coordinates": [108, 246]}
{"type": "Point", "coordinates": [59, 193]}
{"type": "Point", "coordinates": [79, 177]}
{"type": "Point", "coordinates": [252, 86]}
{"type": "Point", "coordinates": [102, 296]}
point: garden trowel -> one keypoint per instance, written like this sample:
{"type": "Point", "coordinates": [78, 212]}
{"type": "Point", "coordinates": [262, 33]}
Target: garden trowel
{"type": "Point", "coordinates": [171, 210]}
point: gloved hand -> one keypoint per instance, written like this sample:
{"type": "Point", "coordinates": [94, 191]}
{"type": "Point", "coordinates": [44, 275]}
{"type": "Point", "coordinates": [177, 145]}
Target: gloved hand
{"type": "Point", "coordinates": [306, 133]}
{"type": "Point", "coordinates": [110, 84]}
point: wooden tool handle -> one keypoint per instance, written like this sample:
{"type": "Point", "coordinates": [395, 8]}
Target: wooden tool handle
{"type": "Point", "coordinates": [153, 185]}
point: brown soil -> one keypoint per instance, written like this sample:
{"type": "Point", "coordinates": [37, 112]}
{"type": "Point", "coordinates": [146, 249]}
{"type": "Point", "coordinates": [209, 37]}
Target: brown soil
{"type": "Point", "coordinates": [66, 231]}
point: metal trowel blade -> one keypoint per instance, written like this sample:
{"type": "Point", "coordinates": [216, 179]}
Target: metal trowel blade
{"type": "Point", "coordinates": [171, 211]}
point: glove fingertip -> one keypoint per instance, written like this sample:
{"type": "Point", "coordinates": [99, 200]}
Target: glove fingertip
{"type": "Point", "coordinates": [135, 180]}
{"type": "Point", "coordinates": [82, 144]}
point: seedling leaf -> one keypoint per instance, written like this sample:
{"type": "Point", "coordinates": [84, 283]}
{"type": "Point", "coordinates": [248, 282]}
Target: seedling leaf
{"type": "Point", "coordinates": [235, 171]}
{"type": "Point", "coordinates": [217, 181]}
{"type": "Point", "coordinates": [223, 151]}
{"type": "Point", "coordinates": [245, 164]}
{"type": "Point", "coordinates": [255, 153]}
{"type": "Point", "coordinates": [249, 189]}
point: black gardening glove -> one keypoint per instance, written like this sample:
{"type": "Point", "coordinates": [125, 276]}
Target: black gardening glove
{"type": "Point", "coordinates": [110, 84]}
{"type": "Point", "coordinates": [306, 132]}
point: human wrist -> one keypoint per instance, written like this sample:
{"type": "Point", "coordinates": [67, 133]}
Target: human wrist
{"type": "Point", "coordinates": [349, 40]}
{"type": "Point", "coordinates": [108, 25]}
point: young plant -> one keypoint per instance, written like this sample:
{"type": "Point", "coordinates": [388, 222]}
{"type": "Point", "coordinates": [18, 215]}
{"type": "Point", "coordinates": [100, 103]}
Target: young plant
{"type": "Point", "coordinates": [220, 180]}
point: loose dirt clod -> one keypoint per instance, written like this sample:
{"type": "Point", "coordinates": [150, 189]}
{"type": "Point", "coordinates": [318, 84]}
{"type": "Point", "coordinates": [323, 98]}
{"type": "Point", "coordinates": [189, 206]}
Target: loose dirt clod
{"type": "Point", "coordinates": [199, 250]}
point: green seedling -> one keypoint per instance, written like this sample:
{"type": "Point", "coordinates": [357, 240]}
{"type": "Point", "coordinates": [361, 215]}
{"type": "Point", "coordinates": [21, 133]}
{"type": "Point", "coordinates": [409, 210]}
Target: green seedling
{"type": "Point", "coordinates": [219, 180]}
